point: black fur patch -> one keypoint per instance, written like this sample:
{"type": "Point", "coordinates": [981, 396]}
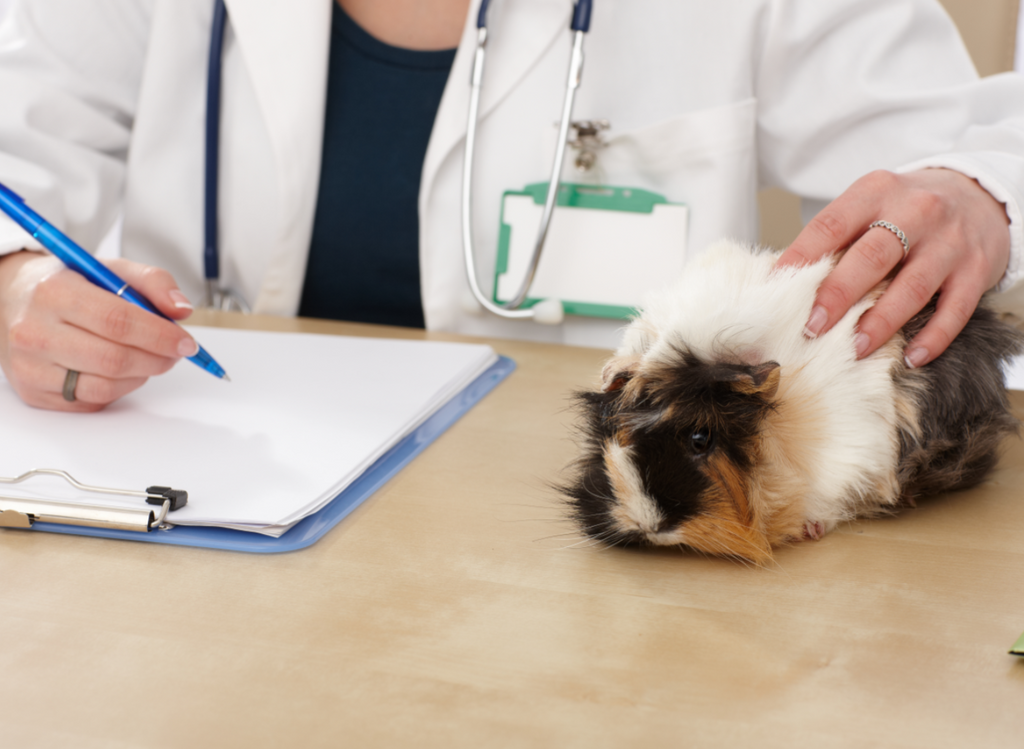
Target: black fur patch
{"type": "Point", "coordinates": [963, 410]}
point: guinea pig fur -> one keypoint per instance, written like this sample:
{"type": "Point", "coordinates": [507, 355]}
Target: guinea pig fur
{"type": "Point", "coordinates": [722, 427]}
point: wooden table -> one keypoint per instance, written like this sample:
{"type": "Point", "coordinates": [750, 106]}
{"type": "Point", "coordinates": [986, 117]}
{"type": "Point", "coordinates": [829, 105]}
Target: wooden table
{"type": "Point", "coordinates": [456, 608]}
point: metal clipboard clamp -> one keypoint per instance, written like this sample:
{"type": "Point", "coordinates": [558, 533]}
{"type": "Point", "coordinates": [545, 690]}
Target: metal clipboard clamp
{"type": "Point", "coordinates": [24, 512]}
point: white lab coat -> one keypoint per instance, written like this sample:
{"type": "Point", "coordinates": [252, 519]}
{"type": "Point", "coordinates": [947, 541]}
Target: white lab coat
{"type": "Point", "coordinates": [104, 103]}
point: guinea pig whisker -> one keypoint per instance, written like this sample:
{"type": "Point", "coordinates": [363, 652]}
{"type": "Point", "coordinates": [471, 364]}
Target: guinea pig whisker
{"type": "Point", "coordinates": [524, 504]}
{"type": "Point", "coordinates": [586, 543]}
{"type": "Point", "coordinates": [558, 519]}
{"type": "Point", "coordinates": [605, 538]}
{"type": "Point", "coordinates": [572, 534]}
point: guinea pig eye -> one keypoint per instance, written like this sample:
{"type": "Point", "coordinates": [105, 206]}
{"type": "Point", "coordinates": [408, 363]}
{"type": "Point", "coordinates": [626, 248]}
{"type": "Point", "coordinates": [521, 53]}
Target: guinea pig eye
{"type": "Point", "coordinates": [700, 441]}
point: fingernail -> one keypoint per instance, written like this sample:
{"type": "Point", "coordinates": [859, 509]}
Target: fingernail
{"type": "Point", "coordinates": [188, 347]}
{"type": "Point", "coordinates": [180, 300]}
{"type": "Point", "coordinates": [861, 343]}
{"type": "Point", "coordinates": [915, 357]}
{"type": "Point", "coordinates": [816, 322]}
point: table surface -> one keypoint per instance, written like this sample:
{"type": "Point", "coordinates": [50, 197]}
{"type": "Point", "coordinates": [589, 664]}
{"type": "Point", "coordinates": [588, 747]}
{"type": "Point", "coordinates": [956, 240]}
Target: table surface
{"type": "Point", "coordinates": [457, 607]}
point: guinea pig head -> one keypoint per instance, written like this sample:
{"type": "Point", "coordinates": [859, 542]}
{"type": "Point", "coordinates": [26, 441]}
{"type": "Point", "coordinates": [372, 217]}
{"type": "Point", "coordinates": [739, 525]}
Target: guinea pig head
{"type": "Point", "coordinates": [669, 448]}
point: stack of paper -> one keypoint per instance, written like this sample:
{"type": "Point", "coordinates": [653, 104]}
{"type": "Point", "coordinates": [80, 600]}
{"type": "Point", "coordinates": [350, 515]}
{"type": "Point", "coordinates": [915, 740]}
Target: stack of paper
{"type": "Point", "coordinates": [303, 417]}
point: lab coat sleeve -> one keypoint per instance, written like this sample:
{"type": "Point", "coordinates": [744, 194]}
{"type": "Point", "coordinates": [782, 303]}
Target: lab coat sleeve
{"type": "Point", "coordinates": [849, 86]}
{"type": "Point", "coordinates": [69, 77]}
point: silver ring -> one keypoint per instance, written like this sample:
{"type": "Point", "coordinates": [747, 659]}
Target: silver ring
{"type": "Point", "coordinates": [70, 383]}
{"type": "Point", "coordinates": [895, 230]}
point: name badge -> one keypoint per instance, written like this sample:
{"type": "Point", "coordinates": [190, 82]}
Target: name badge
{"type": "Point", "coordinates": [606, 247]}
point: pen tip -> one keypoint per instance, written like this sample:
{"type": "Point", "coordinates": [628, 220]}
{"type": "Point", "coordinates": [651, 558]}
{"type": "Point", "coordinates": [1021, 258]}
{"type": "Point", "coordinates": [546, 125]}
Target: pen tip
{"type": "Point", "coordinates": [225, 377]}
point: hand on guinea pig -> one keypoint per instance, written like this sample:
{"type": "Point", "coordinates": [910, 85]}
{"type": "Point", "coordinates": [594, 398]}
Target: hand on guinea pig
{"type": "Point", "coordinates": [958, 248]}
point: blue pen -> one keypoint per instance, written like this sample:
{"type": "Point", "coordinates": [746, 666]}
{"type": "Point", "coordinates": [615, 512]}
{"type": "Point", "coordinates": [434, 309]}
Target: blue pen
{"type": "Point", "coordinates": [77, 259]}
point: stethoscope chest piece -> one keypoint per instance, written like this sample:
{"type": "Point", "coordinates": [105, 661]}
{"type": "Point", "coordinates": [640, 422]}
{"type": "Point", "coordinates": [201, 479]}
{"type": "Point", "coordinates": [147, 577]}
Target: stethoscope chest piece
{"type": "Point", "coordinates": [226, 300]}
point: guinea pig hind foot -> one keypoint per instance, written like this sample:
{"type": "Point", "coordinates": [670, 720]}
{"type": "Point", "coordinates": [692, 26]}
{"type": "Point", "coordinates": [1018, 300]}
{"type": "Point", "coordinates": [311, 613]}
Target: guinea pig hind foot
{"type": "Point", "coordinates": [814, 530]}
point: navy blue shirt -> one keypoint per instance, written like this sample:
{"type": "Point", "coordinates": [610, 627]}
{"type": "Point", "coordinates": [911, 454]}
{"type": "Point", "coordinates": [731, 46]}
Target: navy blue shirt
{"type": "Point", "coordinates": [364, 253]}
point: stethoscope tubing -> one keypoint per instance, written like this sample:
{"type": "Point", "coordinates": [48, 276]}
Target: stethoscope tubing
{"type": "Point", "coordinates": [211, 253]}
{"type": "Point", "coordinates": [215, 295]}
{"type": "Point", "coordinates": [512, 308]}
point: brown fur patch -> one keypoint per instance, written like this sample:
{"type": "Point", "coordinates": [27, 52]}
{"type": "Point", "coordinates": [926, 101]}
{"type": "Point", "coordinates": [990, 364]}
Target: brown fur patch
{"type": "Point", "coordinates": [725, 526]}
{"type": "Point", "coordinates": [784, 457]}
{"type": "Point", "coordinates": [780, 518]}
{"type": "Point", "coordinates": [764, 382]}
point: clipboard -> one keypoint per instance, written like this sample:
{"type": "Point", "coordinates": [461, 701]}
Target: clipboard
{"type": "Point", "coordinates": [311, 528]}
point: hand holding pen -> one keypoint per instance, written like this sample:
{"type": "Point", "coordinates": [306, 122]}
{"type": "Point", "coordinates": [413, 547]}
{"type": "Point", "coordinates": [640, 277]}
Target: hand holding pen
{"type": "Point", "coordinates": [53, 320]}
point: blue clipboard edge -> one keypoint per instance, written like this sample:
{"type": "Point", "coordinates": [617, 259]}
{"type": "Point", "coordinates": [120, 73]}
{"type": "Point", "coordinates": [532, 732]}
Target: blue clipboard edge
{"type": "Point", "coordinates": [309, 530]}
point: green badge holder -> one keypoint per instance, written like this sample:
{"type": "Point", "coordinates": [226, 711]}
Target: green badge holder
{"type": "Point", "coordinates": [606, 247]}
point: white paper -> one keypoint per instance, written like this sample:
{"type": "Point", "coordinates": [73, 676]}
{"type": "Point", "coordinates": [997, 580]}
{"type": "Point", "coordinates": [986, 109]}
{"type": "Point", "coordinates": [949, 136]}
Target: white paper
{"type": "Point", "coordinates": [303, 416]}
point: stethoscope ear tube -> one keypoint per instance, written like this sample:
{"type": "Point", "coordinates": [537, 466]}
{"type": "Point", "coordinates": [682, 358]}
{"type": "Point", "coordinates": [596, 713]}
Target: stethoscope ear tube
{"type": "Point", "coordinates": [211, 263]}
{"type": "Point", "coordinates": [550, 311]}
{"type": "Point", "coordinates": [215, 295]}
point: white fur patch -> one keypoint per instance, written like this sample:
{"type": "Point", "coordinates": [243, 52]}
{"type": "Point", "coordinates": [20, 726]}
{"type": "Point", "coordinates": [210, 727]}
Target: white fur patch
{"type": "Point", "coordinates": [635, 511]}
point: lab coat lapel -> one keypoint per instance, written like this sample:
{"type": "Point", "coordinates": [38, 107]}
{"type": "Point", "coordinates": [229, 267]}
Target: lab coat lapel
{"type": "Point", "coordinates": [519, 33]}
{"type": "Point", "coordinates": [286, 47]}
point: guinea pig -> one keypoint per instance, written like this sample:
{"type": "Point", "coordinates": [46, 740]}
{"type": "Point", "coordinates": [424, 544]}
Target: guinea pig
{"type": "Point", "coordinates": [720, 426]}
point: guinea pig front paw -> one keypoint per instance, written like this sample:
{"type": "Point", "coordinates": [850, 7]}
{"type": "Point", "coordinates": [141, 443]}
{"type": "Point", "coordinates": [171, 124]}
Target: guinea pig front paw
{"type": "Point", "coordinates": [814, 530]}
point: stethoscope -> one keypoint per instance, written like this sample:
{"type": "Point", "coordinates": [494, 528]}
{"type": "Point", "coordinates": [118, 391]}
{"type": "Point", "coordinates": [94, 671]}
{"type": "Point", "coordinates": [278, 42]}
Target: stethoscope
{"type": "Point", "coordinates": [548, 311]}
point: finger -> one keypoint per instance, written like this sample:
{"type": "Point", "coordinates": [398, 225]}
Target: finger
{"type": "Point", "coordinates": [842, 221]}
{"type": "Point", "coordinates": [912, 288]}
{"type": "Point", "coordinates": [953, 310]}
{"type": "Point", "coordinates": [41, 385]}
{"type": "Point", "coordinates": [82, 305]}
{"type": "Point", "coordinates": [98, 356]}
{"type": "Point", "coordinates": [868, 261]}
{"type": "Point", "coordinates": [93, 392]}
{"type": "Point", "coordinates": [157, 285]}
{"type": "Point", "coordinates": [34, 342]}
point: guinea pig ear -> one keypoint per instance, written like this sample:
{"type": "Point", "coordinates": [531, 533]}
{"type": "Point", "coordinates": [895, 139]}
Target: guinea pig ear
{"type": "Point", "coordinates": [617, 372]}
{"type": "Point", "coordinates": [759, 379]}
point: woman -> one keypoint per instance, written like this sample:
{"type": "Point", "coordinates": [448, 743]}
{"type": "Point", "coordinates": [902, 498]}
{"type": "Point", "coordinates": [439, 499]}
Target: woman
{"type": "Point", "coordinates": [849, 100]}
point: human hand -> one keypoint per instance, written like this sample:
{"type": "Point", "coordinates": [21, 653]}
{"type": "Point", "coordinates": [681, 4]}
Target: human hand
{"type": "Point", "coordinates": [53, 320]}
{"type": "Point", "coordinates": [959, 248]}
